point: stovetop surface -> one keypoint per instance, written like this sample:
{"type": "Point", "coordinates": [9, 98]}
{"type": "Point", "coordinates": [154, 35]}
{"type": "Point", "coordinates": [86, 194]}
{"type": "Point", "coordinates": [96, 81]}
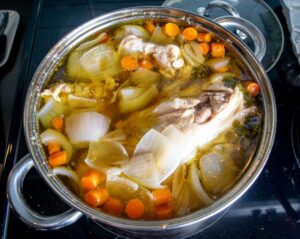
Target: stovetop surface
{"type": "Point", "coordinates": [267, 210]}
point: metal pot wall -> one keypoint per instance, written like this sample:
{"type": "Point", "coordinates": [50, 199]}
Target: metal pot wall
{"type": "Point", "coordinates": [182, 226]}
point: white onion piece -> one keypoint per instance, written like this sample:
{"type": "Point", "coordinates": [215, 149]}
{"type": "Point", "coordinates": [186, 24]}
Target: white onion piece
{"type": "Point", "coordinates": [216, 77]}
{"type": "Point", "coordinates": [131, 92]}
{"type": "Point", "coordinates": [197, 186]}
{"type": "Point", "coordinates": [51, 135]}
{"type": "Point", "coordinates": [217, 63]}
{"type": "Point", "coordinates": [109, 152]}
{"type": "Point", "coordinates": [166, 154]}
{"type": "Point", "coordinates": [52, 108]}
{"type": "Point", "coordinates": [64, 171]}
{"type": "Point", "coordinates": [183, 200]}
{"type": "Point", "coordinates": [99, 59]}
{"type": "Point", "coordinates": [159, 37]}
{"type": "Point", "coordinates": [147, 198]}
{"type": "Point", "coordinates": [187, 149]}
{"type": "Point", "coordinates": [121, 187]}
{"type": "Point", "coordinates": [121, 180]}
{"type": "Point", "coordinates": [103, 167]}
{"type": "Point", "coordinates": [178, 180]}
{"type": "Point", "coordinates": [197, 51]}
{"type": "Point", "coordinates": [85, 127]}
{"type": "Point", "coordinates": [101, 37]}
{"type": "Point", "coordinates": [76, 102]}
{"type": "Point", "coordinates": [135, 30]}
{"type": "Point", "coordinates": [142, 169]}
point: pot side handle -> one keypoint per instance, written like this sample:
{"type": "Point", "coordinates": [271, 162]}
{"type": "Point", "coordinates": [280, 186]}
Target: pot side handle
{"type": "Point", "coordinates": [19, 205]}
{"type": "Point", "coordinates": [250, 29]}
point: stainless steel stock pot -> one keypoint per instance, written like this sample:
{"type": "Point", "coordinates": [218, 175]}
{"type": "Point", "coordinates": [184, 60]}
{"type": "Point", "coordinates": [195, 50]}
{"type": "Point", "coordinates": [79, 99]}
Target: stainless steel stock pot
{"type": "Point", "coordinates": [176, 227]}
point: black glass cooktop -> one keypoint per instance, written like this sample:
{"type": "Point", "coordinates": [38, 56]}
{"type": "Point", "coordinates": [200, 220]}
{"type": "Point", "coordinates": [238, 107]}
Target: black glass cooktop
{"type": "Point", "coordinates": [269, 209]}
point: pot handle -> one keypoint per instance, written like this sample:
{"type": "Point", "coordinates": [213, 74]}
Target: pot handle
{"type": "Point", "coordinates": [244, 28]}
{"type": "Point", "coordinates": [250, 29]}
{"type": "Point", "coordinates": [19, 205]}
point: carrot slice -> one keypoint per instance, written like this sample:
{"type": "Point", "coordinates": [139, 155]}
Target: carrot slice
{"type": "Point", "coordinates": [189, 33]}
{"type": "Point", "coordinates": [58, 159]}
{"type": "Point", "coordinates": [162, 196]}
{"type": "Point", "coordinates": [217, 50]}
{"type": "Point", "coordinates": [81, 168]}
{"type": "Point", "coordinates": [104, 38]}
{"type": "Point", "coordinates": [58, 123]}
{"type": "Point", "coordinates": [53, 148]}
{"type": "Point", "coordinates": [114, 206]}
{"type": "Point", "coordinates": [204, 37]}
{"type": "Point", "coordinates": [146, 64]}
{"type": "Point", "coordinates": [91, 180]}
{"type": "Point", "coordinates": [149, 26]}
{"type": "Point", "coordinates": [222, 69]}
{"type": "Point", "coordinates": [171, 29]}
{"type": "Point", "coordinates": [164, 211]}
{"type": "Point", "coordinates": [204, 48]}
{"type": "Point", "coordinates": [129, 63]}
{"type": "Point", "coordinates": [97, 197]}
{"type": "Point", "coordinates": [135, 208]}
{"type": "Point", "coordinates": [253, 89]}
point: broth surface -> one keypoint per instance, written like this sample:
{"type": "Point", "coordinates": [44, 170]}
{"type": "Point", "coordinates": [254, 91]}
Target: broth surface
{"type": "Point", "coordinates": [150, 121]}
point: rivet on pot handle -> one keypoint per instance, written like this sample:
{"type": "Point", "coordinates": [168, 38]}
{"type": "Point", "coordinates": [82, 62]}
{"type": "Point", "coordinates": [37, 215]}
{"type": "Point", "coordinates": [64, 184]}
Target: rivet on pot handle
{"type": "Point", "coordinates": [250, 29]}
{"type": "Point", "coordinates": [27, 215]}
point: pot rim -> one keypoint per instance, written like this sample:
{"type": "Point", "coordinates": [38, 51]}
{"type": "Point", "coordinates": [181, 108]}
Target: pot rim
{"type": "Point", "coordinates": [71, 40]}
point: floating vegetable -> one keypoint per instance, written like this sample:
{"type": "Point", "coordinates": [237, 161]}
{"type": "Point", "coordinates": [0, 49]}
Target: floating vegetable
{"type": "Point", "coordinates": [51, 109]}
{"type": "Point", "coordinates": [196, 185]}
{"type": "Point", "coordinates": [100, 60]}
{"type": "Point", "coordinates": [143, 170]}
{"type": "Point", "coordinates": [102, 37]}
{"type": "Point", "coordinates": [50, 135]}
{"type": "Point", "coordinates": [135, 30]}
{"type": "Point", "coordinates": [85, 127]}
{"type": "Point", "coordinates": [141, 101]}
{"type": "Point", "coordinates": [218, 64]}
{"type": "Point", "coordinates": [135, 208]}
{"type": "Point", "coordinates": [121, 187]}
{"type": "Point", "coordinates": [76, 102]}
{"type": "Point", "coordinates": [167, 155]}
{"type": "Point", "coordinates": [159, 37]}
{"type": "Point", "coordinates": [145, 77]}
{"type": "Point", "coordinates": [106, 152]}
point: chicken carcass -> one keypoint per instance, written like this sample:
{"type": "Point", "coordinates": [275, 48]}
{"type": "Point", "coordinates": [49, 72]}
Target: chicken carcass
{"type": "Point", "coordinates": [203, 118]}
{"type": "Point", "coordinates": [168, 56]}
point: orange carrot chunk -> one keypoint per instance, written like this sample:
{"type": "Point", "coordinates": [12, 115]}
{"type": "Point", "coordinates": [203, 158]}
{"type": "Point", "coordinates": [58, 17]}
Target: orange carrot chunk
{"type": "Point", "coordinates": [129, 63]}
{"type": "Point", "coordinates": [58, 123]}
{"type": "Point", "coordinates": [146, 64]}
{"type": "Point", "coordinates": [217, 50]}
{"type": "Point", "coordinates": [97, 197]}
{"type": "Point", "coordinates": [91, 180]}
{"type": "Point", "coordinates": [104, 38]}
{"type": "Point", "coordinates": [114, 206]}
{"type": "Point", "coordinates": [222, 69]}
{"type": "Point", "coordinates": [135, 208]}
{"type": "Point", "coordinates": [204, 48]}
{"type": "Point", "coordinates": [253, 89]}
{"type": "Point", "coordinates": [164, 211]}
{"type": "Point", "coordinates": [189, 33]}
{"type": "Point", "coordinates": [149, 26]}
{"type": "Point", "coordinates": [53, 148]}
{"type": "Point", "coordinates": [204, 37]}
{"type": "Point", "coordinates": [171, 29]}
{"type": "Point", "coordinates": [58, 159]}
{"type": "Point", "coordinates": [162, 196]}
